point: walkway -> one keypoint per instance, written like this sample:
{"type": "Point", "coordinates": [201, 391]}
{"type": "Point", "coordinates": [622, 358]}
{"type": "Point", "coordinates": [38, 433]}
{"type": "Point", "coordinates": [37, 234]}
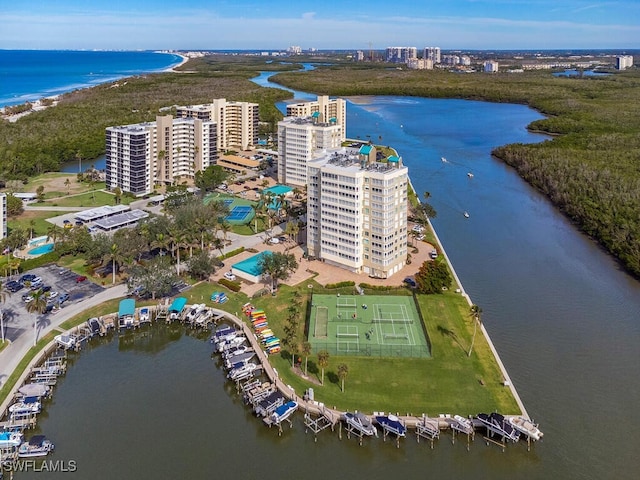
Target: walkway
{"type": "Point", "coordinates": [12, 355]}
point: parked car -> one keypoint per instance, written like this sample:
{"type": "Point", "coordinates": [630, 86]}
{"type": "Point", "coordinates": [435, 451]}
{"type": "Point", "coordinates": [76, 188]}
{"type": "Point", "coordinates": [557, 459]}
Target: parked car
{"type": "Point", "coordinates": [410, 281]}
{"type": "Point", "coordinates": [51, 295]}
{"type": "Point", "coordinates": [27, 277]}
{"type": "Point", "coordinates": [45, 288]}
{"type": "Point", "coordinates": [27, 297]}
{"type": "Point", "coordinates": [80, 278]}
{"type": "Point", "coordinates": [63, 298]}
{"type": "Point", "coordinates": [36, 284]}
{"type": "Point", "coordinates": [13, 286]}
{"type": "Point", "coordinates": [229, 276]}
{"type": "Point", "coordinates": [274, 241]}
{"type": "Point", "coordinates": [433, 254]}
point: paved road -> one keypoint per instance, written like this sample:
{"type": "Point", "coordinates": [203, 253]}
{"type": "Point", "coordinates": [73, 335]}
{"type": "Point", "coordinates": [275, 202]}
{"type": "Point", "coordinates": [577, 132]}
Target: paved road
{"type": "Point", "coordinates": [11, 356]}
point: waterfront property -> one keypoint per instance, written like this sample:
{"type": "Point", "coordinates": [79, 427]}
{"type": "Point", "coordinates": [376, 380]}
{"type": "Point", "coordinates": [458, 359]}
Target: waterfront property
{"type": "Point", "coordinates": [323, 110]}
{"type": "Point", "coordinates": [357, 211]}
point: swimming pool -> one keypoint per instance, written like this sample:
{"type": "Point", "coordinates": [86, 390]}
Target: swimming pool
{"type": "Point", "coordinates": [41, 250]}
{"type": "Point", "coordinates": [278, 190]}
{"type": "Point", "coordinates": [250, 265]}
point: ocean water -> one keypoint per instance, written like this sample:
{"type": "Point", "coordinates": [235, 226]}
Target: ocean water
{"type": "Point", "coordinates": [28, 75]}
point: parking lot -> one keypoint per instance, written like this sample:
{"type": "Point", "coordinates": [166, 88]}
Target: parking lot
{"type": "Point", "coordinates": [61, 280]}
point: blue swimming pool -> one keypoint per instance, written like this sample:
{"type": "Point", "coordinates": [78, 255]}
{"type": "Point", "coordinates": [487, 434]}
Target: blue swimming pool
{"type": "Point", "coordinates": [278, 190]}
{"type": "Point", "coordinates": [41, 250]}
{"type": "Point", "coordinates": [250, 265]}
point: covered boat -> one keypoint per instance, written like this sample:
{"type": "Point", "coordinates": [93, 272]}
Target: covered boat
{"type": "Point", "coordinates": [284, 411]}
{"type": "Point", "coordinates": [34, 390]}
{"type": "Point", "coordinates": [391, 424]}
{"type": "Point", "coordinates": [361, 423]}
{"type": "Point", "coordinates": [65, 341]}
{"type": "Point", "coordinates": [38, 446]}
{"type": "Point", "coordinates": [496, 423]}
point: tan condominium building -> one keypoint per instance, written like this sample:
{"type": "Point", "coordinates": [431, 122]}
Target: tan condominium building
{"type": "Point", "coordinates": [166, 151]}
{"type": "Point", "coordinates": [301, 139]}
{"type": "Point", "coordinates": [357, 211]}
{"type": "Point", "coordinates": [324, 110]}
{"type": "Point", "coordinates": [236, 122]}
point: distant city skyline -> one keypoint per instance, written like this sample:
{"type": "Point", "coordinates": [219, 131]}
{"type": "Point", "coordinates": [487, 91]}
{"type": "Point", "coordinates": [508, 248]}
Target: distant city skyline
{"type": "Point", "coordinates": [354, 24]}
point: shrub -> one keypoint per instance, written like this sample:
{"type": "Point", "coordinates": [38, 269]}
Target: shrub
{"type": "Point", "coordinates": [347, 283]}
{"type": "Point", "coordinates": [232, 253]}
{"type": "Point", "coordinates": [233, 286]}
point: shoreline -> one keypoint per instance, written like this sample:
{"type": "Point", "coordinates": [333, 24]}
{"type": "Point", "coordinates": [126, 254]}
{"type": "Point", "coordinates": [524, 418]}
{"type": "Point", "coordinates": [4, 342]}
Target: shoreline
{"type": "Point", "coordinates": [38, 106]}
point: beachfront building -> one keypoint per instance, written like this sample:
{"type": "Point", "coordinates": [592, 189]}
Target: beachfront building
{"type": "Point", "coordinates": [236, 122]}
{"type": "Point", "coordinates": [357, 211]}
{"type": "Point", "coordinates": [400, 54]}
{"type": "Point", "coordinates": [301, 139]}
{"type": "Point", "coordinates": [324, 110]}
{"type": "Point", "coordinates": [3, 216]}
{"type": "Point", "coordinates": [420, 64]}
{"type": "Point", "coordinates": [165, 151]}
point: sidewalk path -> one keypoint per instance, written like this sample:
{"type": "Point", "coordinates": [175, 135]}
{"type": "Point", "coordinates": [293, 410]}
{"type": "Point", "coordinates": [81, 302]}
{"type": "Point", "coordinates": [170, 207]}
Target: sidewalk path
{"type": "Point", "coordinates": [13, 354]}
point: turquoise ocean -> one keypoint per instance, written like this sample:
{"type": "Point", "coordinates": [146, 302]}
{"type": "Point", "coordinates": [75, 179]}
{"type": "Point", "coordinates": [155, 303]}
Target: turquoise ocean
{"type": "Point", "coordinates": [28, 75]}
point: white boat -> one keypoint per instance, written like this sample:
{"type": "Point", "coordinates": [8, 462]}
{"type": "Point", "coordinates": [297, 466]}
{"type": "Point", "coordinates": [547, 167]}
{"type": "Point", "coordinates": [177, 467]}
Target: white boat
{"type": "Point", "coordinates": [144, 315]}
{"type": "Point", "coordinates": [10, 440]}
{"type": "Point", "coordinates": [65, 341]}
{"type": "Point", "coordinates": [284, 411]}
{"type": "Point", "coordinates": [195, 311]}
{"type": "Point", "coordinates": [361, 423]}
{"type": "Point", "coordinates": [38, 446]}
{"type": "Point", "coordinates": [466, 214]}
{"type": "Point", "coordinates": [443, 160]}
{"type": "Point", "coordinates": [242, 372]}
{"type": "Point", "coordinates": [34, 390]}
{"type": "Point", "coordinates": [469, 174]}
{"type": "Point", "coordinates": [236, 350]}
{"type": "Point", "coordinates": [27, 405]}
{"type": "Point", "coordinates": [526, 426]}
{"type": "Point", "coordinates": [231, 342]}
{"type": "Point", "coordinates": [238, 360]}
{"type": "Point", "coordinates": [461, 424]}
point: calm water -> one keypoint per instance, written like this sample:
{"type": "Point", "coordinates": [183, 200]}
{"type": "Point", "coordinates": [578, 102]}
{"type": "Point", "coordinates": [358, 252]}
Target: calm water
{"type": "Point", "coordinates": [563, 316]}
{"type": "Point", "coordinates": [28, 75]}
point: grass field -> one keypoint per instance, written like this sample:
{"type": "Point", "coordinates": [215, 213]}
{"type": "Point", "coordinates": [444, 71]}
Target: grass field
{"type": "Point", "coordinates": [88, 199]}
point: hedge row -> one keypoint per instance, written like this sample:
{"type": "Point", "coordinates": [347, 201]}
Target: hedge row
{"type": "Point", "coordinates": [231, 253]}
{"type": "Point", "coordinates": [233, 286]}
{"type": "Point", "coordinates": [347, 283]}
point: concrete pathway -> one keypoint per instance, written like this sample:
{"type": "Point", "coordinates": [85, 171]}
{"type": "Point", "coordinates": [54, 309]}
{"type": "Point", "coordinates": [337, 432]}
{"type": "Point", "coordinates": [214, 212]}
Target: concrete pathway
{"type": "Point", "coordinates": [13, 354]}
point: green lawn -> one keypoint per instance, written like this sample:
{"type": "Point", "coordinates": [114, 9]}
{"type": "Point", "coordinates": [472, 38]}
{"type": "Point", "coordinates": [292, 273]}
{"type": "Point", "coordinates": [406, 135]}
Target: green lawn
{"type": "Point", "coordinates": [89, 199]}
{"type": "Point", "coordinates": [40, 224]}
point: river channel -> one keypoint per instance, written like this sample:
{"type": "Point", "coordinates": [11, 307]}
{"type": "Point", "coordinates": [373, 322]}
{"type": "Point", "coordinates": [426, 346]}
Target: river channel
{"type": "Point", "coordinates": [561, 313]}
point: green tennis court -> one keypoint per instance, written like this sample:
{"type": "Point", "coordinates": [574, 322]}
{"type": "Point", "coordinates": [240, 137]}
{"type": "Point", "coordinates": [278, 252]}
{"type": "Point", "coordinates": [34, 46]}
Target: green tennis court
{"type": "Point", "coordinates": [367, 325]}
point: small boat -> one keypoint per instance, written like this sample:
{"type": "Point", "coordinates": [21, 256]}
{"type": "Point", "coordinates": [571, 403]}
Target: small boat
{"type": "Point", "coordinates": [496, 423]}
{"type": "Point", "coordinates": [461, 424]}
{"type": "Point", "coordinates": [361, 423]}
{"type": "Point", "coordinates": [526, 426]}
{"type": "Point", "coordinates": [238, 360]}
{"type": "Point", "coordinates": [466, 214]}
{"type": "Point", "coordinates": [65, 341]}
{"type": "Point", "coordinates": [443, 160]}
{"type": "Point", "coordinates": [242, 372]}
{"type": "Point", "coordinates": [144, 315]}
{"type": "Point", "coordinates": [391, 424]}
{"type": "Point", "coordinates": [10, 440]}
{"type": "Point", "coordinates": [38, 446]}
{"type": "Point", "coordinates": [284, 411]}
{"type": "Point", "coordinates": [27, 405]}
{"type": "Point", "coordinates": [229, 343]}
{"type": "Point", "coordinates": [195, 311]}
{"type": "Point", "coordinates": [94, 326]}
{"type": "Point", "coordinates": [236, 350]}
{"type": "Point", "coordinates": [469, 174]}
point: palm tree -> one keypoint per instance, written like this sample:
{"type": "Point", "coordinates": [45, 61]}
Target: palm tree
{"type": "Point", "coordinates": [37, 305]}
{"type": "Point", "coordinates": [474, 312]}
{"type": "Point", "coordinates": [179, 241]}
{"type": "Point", "coordinates": [116, 257]}
{"type": "Point", "coordinates": [162, 242]}
{"type": "Point", "coordinates": [323, 361]}
{"type": "Point", "coordinates": [3, 297]}
{"type": "Point", "coordinates": [53, 232]}
{"type": "Point", "coordinates": [343, 370]}
{"type": "Point", "coordinates": [305, 349]}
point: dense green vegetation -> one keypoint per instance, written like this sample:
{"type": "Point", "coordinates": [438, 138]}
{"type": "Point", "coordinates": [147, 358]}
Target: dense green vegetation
{"type": "Point", "coordinates": [591, 167]}
{"type": "Point", "coordinates": [75, 128]}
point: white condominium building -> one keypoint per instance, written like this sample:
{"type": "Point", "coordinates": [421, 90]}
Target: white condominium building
{"type": "Point", "coordinates": [164, 151]}
{"type": "Point", "coordinates": [324, 110]}
{"type": "Point", "coordinates": [624, 61]}
{"type": "Point", "coordinates": [237, 122]}
{"type": "Point", "coordinates": [432, 53]}
{"type": "Point", "coordinates": [400, 54]}
{"type": "Point", "coordinates": [491, 66]}
{"type": "Point", "coordinates": [300, 139]}
{"type": "Point", "coordinates": [357, 211]}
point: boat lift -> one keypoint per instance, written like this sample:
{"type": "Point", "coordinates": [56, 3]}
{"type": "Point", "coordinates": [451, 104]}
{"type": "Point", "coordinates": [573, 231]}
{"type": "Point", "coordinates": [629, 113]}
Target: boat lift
{"type": "Point", "coordinates": [316, 424]}
{"type": "Point", "coordinates": [428, 428]}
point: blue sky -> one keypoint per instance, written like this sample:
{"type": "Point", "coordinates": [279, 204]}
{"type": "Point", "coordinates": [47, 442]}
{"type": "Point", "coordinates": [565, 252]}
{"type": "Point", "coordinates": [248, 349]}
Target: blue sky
{"type": "Point", "coordinates": [346, 24]}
